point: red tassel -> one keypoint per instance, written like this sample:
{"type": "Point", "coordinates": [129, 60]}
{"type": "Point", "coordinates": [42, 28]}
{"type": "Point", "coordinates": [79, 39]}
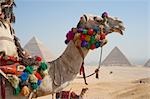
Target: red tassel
{"type": "Point", "coordinates": [38, 76]}
{"type": "Point", "coordinates": [3, 94]}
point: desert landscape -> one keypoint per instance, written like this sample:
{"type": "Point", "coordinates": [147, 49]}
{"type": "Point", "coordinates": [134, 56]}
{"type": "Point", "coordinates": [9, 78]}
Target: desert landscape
{"type": "Point", "coordinates": [115, 82]}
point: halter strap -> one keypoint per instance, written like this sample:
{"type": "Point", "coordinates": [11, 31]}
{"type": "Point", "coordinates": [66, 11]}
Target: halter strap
{"type": "Point", "coordinates": [82, 65]}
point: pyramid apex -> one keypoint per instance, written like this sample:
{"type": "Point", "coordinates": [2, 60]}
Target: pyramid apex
{"type": "Point", "coordinates": [116, 47]}
{"type": "Point", "coordinates": [116, 58]}
{"type": "Point", "coordinates": [147, 64]}
{"type": "Point", "coordinates": [36, 48]}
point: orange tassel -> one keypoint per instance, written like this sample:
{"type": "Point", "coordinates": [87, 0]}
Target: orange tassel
{"type": "Point", "coordinates": [25, 91]}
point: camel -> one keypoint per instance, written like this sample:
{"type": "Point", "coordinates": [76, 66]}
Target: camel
{"type": "Point", "coordinates": [65, 68]}
{"type": "Point", "coordinates": [71, 95]}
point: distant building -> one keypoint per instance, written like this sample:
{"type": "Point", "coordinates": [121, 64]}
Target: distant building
{"type": "Point", "coordinates": [147, 64]}
{"type": "Point", "coordinates": [116, 58]}
{"type": "Point", "coordinates": [36, 48]}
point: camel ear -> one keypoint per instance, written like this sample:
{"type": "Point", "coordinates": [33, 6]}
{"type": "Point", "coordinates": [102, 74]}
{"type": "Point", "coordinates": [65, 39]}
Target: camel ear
{"type": "Point", "coordinates": [79, 25]}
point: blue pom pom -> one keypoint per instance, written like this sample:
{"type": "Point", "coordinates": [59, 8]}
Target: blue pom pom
{"type": "Point", "coordinates": [39, 82]}
{"type": "Point", "coordinates": [97, 44]}
{"type": "Point", "coordinates": [96, 29]}
{"type": "Point", "coordinates": [24, 76]}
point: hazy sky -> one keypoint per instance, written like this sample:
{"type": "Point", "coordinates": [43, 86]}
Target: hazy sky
{"type": "Point", "coordinates": [50, 20]}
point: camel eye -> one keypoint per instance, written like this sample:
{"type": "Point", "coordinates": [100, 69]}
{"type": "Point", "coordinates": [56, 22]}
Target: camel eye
{"type": "Point", "coordinates": [96, 19]}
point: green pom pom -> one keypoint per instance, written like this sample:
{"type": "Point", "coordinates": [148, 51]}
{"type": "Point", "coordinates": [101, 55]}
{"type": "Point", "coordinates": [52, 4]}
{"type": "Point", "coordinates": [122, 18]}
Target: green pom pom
{"type": "Point", "coordinates": [43, 66]}
{"type": "Point", "coordinates": [92, 40]}
{"type": "Point", "coordinates": [16, 91]}
{"type": "Point", "coordinates": [34, 86]}
{"type": "Point", "coordinates": [29, 69]}
{"type": "Point", "coordinates": [84, 31]}
{"type": "Point", "coordinates": [89, 45]}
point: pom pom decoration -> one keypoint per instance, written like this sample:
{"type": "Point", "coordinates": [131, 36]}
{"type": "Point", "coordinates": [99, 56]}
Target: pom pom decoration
{"type": "Point", "coordinates": [29, 69]}
{"type": "Point", "coordinates": [83, 37]}
{"type": "Point", "coordinates": [85, 31]}
{"type": "Point", "coordinates": [93, 46]}
{"type": "Point", "coordinates": [24, 76]}
{"type": "Point", "coordinates": [43, 66]}
{"type": "Point", "coordinates": [34, 86]}
{"type": "Point", "coordinates": [28, 79]}
{"type": "Point", "coordinates": [33, 78]}
{"type": "Point", "coordinates": [92, 40]}
{"type": "Point", "coordinates": [105, 14]}
{"type": "Point", "coordinates": [25, 91]}
{"type": "Point", "coordinates": [89, 38]}
{"type": "Point", "coordinates": [39, 59]}
{"type": "Point", "coordinates": [90, 32]}
{"type": "Point", "coordinates": [96, 29]}
{"type": "Point", "coordinates": [80, 30]}
{"type": "Point", "coordinates": [97, 37]}
{"type": "Point", "coordinates": [70, 35]}
{"type": "Point", "coordinates": [97, 44]}
{"type": "Point", "coordinates": [38, 76]}
{"type": "Point", "coordinates": [102, 36]}
{"type": "Point", "coordinates": [14, 80]}
{"type": "Point", "coordinates": [39, 82]}
{"type": "Point", "coordinates": [77, 36]}
{"type": "Point", "coordinates": [66, 41]}
{"type": "Point", "coordinates": [16, 91]}
{"type": "Point", "coordinates": [84, 43]}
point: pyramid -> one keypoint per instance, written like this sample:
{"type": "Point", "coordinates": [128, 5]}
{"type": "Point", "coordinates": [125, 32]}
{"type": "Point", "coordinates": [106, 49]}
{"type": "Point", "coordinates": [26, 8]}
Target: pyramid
{"type": "Point", "coordinates": [36, 48]}
{"type": "Point", "coordinates": [147, 64]}
{"type": "Point", "coordinates": [116, 58]}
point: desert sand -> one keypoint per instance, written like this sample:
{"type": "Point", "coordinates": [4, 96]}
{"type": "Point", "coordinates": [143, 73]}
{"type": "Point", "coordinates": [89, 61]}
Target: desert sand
{"type": "Point", "coordinates": [122, 83]}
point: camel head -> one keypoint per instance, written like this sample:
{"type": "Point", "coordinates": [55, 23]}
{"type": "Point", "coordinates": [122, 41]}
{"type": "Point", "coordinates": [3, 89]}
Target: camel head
{"type": "Point", "coordinates": [91, 30]}
{"type": "Point", "coordinates": [112, 24]}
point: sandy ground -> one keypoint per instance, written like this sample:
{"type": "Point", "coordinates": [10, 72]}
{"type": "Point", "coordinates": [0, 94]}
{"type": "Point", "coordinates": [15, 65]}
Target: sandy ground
{"type": "Point", "coordinates": [122, 83]}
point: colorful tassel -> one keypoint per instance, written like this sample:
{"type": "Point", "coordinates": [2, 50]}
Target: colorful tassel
{"type": "Point", "coordinates": [38, 76]}
{"type": "Point", "coordinates": [14, 80]}
{"type": "Point", "coordinates": [25, 91]}
{"type": "Point", "coordinates": [43, 66]}
{"type": "Point", "coordinates": [16, 91]}
{"type": "Point", "coordinates": [32, 78]}
{"type": "Point", "coordinates": [24, 76]}
{"type": "Point", "coordinates": [29, 69]}
{"type": "Point", "coordinates": [34, 86]}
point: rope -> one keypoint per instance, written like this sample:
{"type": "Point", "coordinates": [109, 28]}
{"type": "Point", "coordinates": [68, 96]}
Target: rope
{"type": "Point", "coordinates": [99, 66]}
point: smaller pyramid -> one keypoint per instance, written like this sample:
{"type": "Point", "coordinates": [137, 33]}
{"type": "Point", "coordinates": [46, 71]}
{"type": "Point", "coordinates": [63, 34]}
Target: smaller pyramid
{"type": "Point", "coordinates": [36, 48]}
{"type": "Point", "coordinates": [116, 58]}
{"type": "Point", "coordinates": [147, 64]}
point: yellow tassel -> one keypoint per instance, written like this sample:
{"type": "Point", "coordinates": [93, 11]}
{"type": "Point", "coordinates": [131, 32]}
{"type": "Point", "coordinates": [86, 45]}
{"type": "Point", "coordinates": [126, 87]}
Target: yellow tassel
{"type": "Point", "coordinates": [25, 91]}
{"type": "Point", "coordinates": [14, 80]}
{"type": "Point", "coordinates": [33, 78]}
{"type": "Point", "coordinates": [77, 36]}
{"type": "Point", "coordinates": [78, 42]}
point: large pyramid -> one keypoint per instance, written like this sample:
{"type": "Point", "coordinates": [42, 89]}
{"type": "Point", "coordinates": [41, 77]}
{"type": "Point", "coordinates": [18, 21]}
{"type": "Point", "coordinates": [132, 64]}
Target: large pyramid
{"type": "Point", "coordinates": [116, 58]}
{"type": "Point", "coordinates": [36, 48]}
{"type": "Point", "coordinates": [147, 64]}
